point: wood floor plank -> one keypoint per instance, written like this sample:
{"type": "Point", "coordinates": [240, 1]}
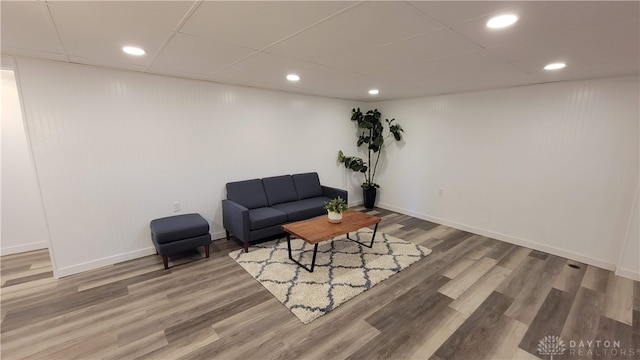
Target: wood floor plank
{"type": "Point", "coordinates": [458, 267]}
{"type": "Point", "coordinates": [521, 276]}
{"type": "Point", "coordinates": [475, 295]}
{"type": "Point", "coordinates": [463, 342]}
{"type": "Point", "coordinates": [441, 328]}
{"type": "Point", "coordinates": [350, 340]}
{"type": "Point", "coordinates": [452, 239]}
{"type": "Point", "coordinates": [619, 299]}
{"type": "Point", "coordinates": [184, 347]}
{"type": "Point", "coordinates": [505, 342]}
{"type": "Point", "coordinates": [400, 339]}
{"type": "Point", "coordinates": [405, 306]}
{"type": "Point", "coordinates": [584, 316]}
{"type": "Point", "coordinates": [619, 335]}
{"type": "Point", "coordinates": [456, 287]}
{"type": "Point", "coordinates": [549, 320]}
{"type": "Point", "coordinates": [595, 279]}
{"type": "Point", "coordinates": [67, 303]}
{"type": "Point", "coordinates": [570, 278]}
{"type": "Point", "coordinates": [527, 303]}
{"type": "Point", "coordinates": [27, 278]}
{"type": "Point", "coordinates": [431, 242]}
{"type": "Point", "coordinates": [514, 258]}
{"type": "Point", "coordinates": [501, 342]}
{"type": "Point", "coordinates": [80, 347]}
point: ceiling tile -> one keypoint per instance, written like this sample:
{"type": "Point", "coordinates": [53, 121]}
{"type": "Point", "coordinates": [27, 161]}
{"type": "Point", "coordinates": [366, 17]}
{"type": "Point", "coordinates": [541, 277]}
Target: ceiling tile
{"type": "Point", "coordinates": [99, 30]}
{"type": "Point", "coordinates": [583, 46]}
{"type": "Point", "coordinates": [455, 12]}
{"type": "Point", "coordinates": [196, 57]}
{"type": "Point", "coordinates": [262, 68]}
{"type": "Point", "coordinates": [539, 21]}
{"type": "Point", "coordinates": [435, 44]}
{"type": "Point", "coordinates": [26, 29]}
{"type": "Point", "coordinates": [257, 24]}
{"type": "Point", "coordinates": [363, 27]}
{"type": "Point", "coordinates": [459, 73]}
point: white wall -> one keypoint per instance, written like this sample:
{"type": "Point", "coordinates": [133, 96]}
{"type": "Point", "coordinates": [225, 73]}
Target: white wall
{"type": "Point", "coordinates": [115, 149]}
{"type": "Point", "coordinates": [22, 217]}
{"type": "Point", "coordinates": [552, 166]}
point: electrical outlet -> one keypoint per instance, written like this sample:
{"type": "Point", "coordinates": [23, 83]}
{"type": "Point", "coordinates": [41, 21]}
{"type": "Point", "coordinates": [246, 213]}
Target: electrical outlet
{"type": "Point", "coordinates": [441, 192]}
{"type": "Point", "coordinates": [176, 206]}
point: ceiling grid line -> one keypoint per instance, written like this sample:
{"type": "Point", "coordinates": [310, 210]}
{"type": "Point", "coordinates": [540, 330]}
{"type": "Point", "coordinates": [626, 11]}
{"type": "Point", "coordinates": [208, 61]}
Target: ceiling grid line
{"type": "Point", "coordinates": [196, 4]}
{"type": "Point", "coordinates": [55, 28]}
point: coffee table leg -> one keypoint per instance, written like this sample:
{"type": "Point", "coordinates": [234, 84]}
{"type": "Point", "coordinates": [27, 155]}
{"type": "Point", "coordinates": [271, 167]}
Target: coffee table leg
{"type": "Point", "coordinates": [373, 237]}
{"type": "Point", "coordinates": [313, 261]}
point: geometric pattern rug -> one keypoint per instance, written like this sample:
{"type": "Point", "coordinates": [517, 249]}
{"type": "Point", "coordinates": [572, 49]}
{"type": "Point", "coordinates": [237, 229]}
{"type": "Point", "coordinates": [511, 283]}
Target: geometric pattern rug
{"type": "Point", "coordinates": [343, 269]}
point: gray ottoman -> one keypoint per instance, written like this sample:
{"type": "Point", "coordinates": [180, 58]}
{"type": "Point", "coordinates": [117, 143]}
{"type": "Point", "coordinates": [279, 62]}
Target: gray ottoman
{"type": "Point", "coordinates": [179, 233]}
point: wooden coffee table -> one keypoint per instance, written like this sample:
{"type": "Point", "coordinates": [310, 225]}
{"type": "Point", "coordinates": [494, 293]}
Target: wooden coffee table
{"type": "Point", "coordinates": [319, 229]}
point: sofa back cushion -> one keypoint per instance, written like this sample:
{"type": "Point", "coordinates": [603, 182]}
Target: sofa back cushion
{"type": "Point", "coordinates": [307, 185]}
{"type": "Point", "coordinates": [248, 193]}
{"type": "Point", "coordinates": [279, 189]}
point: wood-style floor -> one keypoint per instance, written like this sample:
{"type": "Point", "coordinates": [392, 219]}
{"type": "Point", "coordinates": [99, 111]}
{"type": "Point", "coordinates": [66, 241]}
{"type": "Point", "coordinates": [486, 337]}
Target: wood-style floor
{"type": "Point", "coordinates": [472, 298]}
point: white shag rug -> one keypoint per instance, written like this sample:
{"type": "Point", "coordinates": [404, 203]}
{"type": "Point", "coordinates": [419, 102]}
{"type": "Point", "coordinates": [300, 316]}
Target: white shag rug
{"type": "Point", "coordinates": [343, 269]}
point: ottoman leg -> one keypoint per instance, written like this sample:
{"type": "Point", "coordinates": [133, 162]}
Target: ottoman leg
{"type": "Point", "coordinates": [206, 250]}
{"type": "Point", "coordinates": [227, 233]}
{"type": "Point", "coordinates": [245, 246]}
{"type": "Point", "coordinates": [165, 261]}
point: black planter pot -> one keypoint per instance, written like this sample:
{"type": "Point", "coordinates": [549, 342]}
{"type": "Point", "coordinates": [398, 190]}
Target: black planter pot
{"type": "Point", "coordinates": [369, 196]}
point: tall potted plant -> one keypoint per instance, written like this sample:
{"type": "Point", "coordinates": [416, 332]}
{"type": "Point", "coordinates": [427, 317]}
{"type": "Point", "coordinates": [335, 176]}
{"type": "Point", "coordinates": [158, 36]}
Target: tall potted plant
{"type": "Point", "coordinates": [373, 137]}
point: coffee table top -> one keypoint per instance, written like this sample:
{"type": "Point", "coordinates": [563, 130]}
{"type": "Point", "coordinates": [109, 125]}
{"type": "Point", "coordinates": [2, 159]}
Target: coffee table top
{"type": "Point", "coordinates": [320, 229]}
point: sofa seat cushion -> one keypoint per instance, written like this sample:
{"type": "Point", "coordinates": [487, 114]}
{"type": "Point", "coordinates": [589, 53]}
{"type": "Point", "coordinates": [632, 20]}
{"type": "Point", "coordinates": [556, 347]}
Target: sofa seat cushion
{"type": "Point", "coordinates": [265, 216]}
{"type": "Point", "coordinates": [248, 193]}
{"type": "Point", "coordinates": [279, 189]}
{"type": "Point", "coordinates": [307, 185]}
{"type": "Point", "coordinates": [304, 209]}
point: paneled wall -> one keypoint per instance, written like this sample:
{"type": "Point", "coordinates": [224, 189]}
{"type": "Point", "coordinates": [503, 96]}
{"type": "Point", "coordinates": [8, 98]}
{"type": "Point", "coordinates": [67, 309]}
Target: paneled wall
{"type": "Point", "coordinates": [115, 149]}
{"type": "Point", "coordinates": [551, 166]}
{"type": "Point", "coordinates": [23, 225]}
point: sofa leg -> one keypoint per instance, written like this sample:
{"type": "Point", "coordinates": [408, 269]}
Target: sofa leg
{"type": "Point", "coordinates": [165, 261]}
{"type": "Point", "coordinates": [245, 246]}
{"type": "Point", "coordinates": [206, 251]}
{"type": "Point", "coordinates": [227, 233]}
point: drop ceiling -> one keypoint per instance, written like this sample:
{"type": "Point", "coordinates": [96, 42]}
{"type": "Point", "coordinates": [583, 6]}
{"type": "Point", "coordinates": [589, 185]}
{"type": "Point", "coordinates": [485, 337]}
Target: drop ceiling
{"type": "Point", "coordinates": [339, 49]}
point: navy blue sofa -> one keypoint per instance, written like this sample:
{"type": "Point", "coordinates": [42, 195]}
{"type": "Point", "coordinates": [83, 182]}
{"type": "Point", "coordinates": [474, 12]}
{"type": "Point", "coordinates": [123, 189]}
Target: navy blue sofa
{"type": "Point", "coordinates": [256, 209]}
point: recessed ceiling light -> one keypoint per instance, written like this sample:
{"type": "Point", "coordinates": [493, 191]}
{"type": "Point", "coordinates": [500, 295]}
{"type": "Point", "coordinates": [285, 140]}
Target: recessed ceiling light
{"type": "Point", "coordinates": [555, 66]}
{"type": "Point", "coordinates": [501, 21]}
{"type": "Point", "coordinates": [132, 50]}
{"type": "Point", "coordinates": [373, 92]}
{"type": "Point", "coordinates": [293, 77]}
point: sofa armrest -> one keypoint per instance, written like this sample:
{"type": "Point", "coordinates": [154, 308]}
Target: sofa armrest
{"type": "Point", "coordinates": [235, 219]}
{"type": "Point", "coordinates": [331, 192]}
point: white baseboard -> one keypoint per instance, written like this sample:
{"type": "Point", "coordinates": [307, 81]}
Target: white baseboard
{"type": "Point", "coordinates": [110, 260]}
{"type": "Point", "coordinates": [23, 248]}
{"type": "Point", "coordinates": [507, 238]}
{"type": "Point", "coordinates": [629, 274]}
